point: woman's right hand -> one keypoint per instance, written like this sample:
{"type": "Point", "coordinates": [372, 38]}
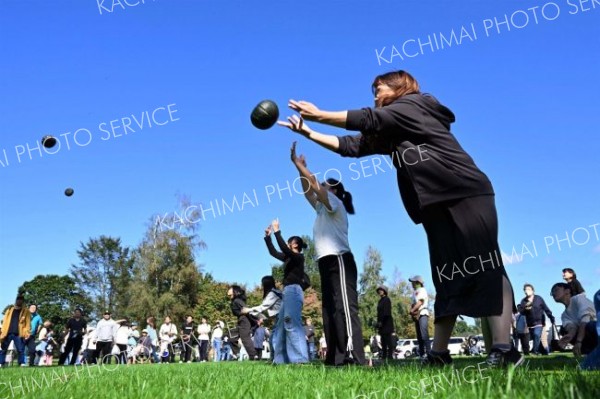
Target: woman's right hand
{"type": "Point", "coordinates": [296, 124]}
{"type": "Point", "coordinates": [268, 231]}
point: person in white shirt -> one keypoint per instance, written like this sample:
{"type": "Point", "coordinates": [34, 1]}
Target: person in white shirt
{"type": "Point", "coordinates": [204, 338]}
{"type": "Point", "coordinates": [121, 339]}
{"type": "Point", "coordinates": [420, 314]}
{"type": "Point", "coordinates": [167, 334]}
{"type": "Point", "coordinates": [217, 340]}
{"type": "Point", "coordinates": [105, 336]}
{"type": "Point", "coordinates": [578, 320]}
{"type": "Point", "coordinates": [337, 266]}
{"type": "Point", "coordinates": [322, 347]}
{"type": "Point", "coordinates": [88, 349]}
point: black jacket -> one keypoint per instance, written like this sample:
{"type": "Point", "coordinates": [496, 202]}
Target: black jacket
{"type": "Point", "coordinates": [431, 165]}
{"type": "Point", "coordinates": [385, 322]}
{"type": "Point", "coordinates": [535, 315]}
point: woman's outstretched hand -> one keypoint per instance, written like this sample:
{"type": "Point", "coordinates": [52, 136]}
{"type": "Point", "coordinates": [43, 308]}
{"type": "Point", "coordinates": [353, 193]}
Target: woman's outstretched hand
{"type": "Point", "coordinates": [308, 111]}
{"type": "Point", "coordinates": [268, 231]}
{"type": "Point", "coordinates": [297, 159]}
{"type": "Point", "coordinates": [297, 125]}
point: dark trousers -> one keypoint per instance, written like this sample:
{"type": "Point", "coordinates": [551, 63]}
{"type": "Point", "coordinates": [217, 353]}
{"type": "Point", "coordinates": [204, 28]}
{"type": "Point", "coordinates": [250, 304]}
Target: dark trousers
{"type": "Point", "coordinates": [387, 346]}
{"type": "Point", "coordinates": [524, 339]}
{"type": "Point", "coordinates": [103, 350]}
{"type": "Point", "coordinates": [341, 323]}
{"type": "Point", "coordinates": [258, 352]}
{"type": "Point", "coordinates": [203, 350]}
{"type": "Point", "coordinates": [171, 357]}
{"type": "Point", "coordinates": [245, 330]}
{"type": "Point", "coordinates": [30, 344]}
{"type": "Point", "coordinates": [122, 353]}
{"type": "Point", "coordinates": [186, 351]}
{"type": "Point", "coordinates": [590, 339]}
{"type": "Point", "coordinates": [421, 326]}
{"type": "Point", "coordinates": [73, 345]}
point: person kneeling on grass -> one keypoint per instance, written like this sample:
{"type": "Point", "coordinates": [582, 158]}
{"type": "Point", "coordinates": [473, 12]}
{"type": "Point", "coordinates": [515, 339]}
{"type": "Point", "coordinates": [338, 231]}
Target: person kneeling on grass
{"type": "Point", "coordinates": [578, 320]}
{"type": "Point", "coordinates": [143, 347]}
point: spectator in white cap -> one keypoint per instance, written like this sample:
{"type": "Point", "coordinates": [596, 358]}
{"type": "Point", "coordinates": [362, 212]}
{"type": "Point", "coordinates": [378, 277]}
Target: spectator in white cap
{"type": "Point", "coordinates": [420, 314]}
{"type": "Point", "coordinates": [385, 323]}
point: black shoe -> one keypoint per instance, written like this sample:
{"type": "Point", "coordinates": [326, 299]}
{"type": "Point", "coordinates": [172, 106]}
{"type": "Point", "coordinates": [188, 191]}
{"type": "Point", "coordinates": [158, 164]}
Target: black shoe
{"type": "Point", "coordinates": [498, 358]}
{"type": "Point", "coordinates": [437, 359]}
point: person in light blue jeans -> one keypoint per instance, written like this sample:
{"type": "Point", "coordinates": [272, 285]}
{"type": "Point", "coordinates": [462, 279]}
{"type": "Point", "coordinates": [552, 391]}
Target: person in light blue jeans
{"type": "Point", "coordinates": [289, 340]}
{"type": "Point", "coordinates": [217, 340]}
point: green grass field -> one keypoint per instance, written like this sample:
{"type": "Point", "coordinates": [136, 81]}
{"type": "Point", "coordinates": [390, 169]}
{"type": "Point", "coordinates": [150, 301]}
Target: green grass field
{"type": "Point", "coordinates": [547, 377]}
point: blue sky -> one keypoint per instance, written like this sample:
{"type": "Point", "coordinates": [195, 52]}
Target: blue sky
{"type": "Point", "coordinates": [525, 94]}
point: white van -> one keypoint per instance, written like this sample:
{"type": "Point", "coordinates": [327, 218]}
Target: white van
{"type": "Point", "coordinates": [405, 348]}
{"type": "Point", "coordinates": [455, 345]}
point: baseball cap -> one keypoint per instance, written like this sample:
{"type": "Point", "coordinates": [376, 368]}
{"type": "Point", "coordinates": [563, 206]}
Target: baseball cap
{"type": "Point", "coordinates": [417, 278]}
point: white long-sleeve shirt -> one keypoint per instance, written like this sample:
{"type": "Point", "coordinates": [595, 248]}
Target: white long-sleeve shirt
{"type": "Point", "coordinates": [217, 333]}
{"type": "Point", "coordinates": [122, 335]}
{"type": "Point", "coordinates": [203, 332]}
{"type": "Point", "coordinates": [105, 330]}
{"type": "Point", "coordinates": [167, 332]}
{"type": "Point", "coordinates": [271, 303]}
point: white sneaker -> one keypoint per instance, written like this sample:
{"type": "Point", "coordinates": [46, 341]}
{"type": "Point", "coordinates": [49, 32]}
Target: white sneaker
{"type": "Point", "coordinates": [24, 365]}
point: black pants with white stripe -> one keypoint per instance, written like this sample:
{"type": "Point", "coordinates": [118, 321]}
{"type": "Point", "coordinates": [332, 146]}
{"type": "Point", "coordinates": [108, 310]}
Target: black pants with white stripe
{"type": "Point", "coordinates": [341, 323]}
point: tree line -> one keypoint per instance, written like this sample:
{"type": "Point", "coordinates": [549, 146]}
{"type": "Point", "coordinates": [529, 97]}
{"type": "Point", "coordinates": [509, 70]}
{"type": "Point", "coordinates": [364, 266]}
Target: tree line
{"type": "Point", "coordinates": [161, 277]}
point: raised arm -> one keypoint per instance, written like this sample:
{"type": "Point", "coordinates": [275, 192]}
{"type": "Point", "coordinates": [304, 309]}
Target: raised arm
{"type": "Point", "coordinates": [280, 241]}
{"type": "Point", "coordinates": [270, 247]}
{"type": "Point", "coordinates": [296, 124]}
{"type": "Point", "coordinates": [319, 191]}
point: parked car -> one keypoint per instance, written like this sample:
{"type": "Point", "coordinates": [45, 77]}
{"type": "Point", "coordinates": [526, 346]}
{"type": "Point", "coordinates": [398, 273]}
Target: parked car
{"type": "Point", "coordinates": [405, 348]}
{"type": "Point", "coordinates": [455, 345]}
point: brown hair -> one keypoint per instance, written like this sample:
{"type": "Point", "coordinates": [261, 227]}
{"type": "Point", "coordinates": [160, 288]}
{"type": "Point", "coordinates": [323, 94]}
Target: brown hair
{"type": "Point", "coordinates": [401, 82]}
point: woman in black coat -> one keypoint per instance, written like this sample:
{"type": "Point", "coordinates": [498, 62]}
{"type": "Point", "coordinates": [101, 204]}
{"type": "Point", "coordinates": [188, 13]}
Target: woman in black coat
{"type": "Point", "coordinates": [238, 303]}
{"type": "Point", "coordinates": [441, 188]}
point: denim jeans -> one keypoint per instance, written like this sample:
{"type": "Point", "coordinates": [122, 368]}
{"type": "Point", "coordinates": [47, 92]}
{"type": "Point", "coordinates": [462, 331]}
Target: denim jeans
{"type": "Point", "coordinates": [421, 326]}
{"type": "Point", "coordinates": [289, 339]}
{"type": "Point", "coordinates": [216, 343]}
{"type": "Point", "coordinates": [536, 333]}
{"type": "Point", "coordinates": [19, 346]}
{"type": "Point", "coordinates": [312, 351]}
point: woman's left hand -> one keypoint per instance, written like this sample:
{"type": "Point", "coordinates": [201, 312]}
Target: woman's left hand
{"type": "Point", "coordinates": [297, 125]}
{"type": "Point", "coordinates": [307, 110]}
